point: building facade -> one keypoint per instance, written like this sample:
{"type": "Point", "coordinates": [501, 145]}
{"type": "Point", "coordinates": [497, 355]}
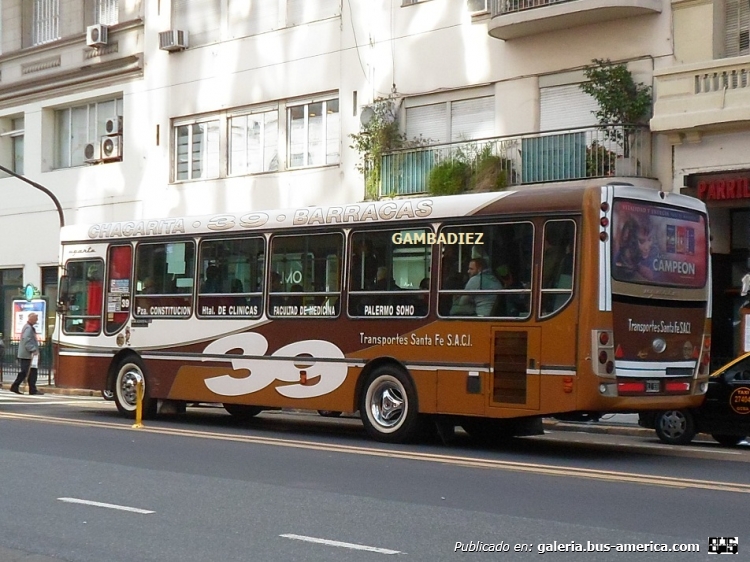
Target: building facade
{"type": "Point", "coordinates": [702, 106]}
{"type": "Point", "coordinates": [131, 109]}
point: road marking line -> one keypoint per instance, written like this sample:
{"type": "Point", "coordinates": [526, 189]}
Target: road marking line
{"type": "Point", "coordinates": [472, 462]}
{"type": "Point", "coordinates": [107, 505]}
{"type": "Point", "coordinates": [340, 544]}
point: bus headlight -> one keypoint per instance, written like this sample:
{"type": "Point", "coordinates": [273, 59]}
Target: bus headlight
{"type": "Point", "coordinates": [703, 388]}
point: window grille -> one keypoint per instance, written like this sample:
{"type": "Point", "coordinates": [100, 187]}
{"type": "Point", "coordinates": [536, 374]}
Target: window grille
{"type": "Point", "coordinates": [107, 12]}
{"type": "Point", "coordinates": [46, 22]}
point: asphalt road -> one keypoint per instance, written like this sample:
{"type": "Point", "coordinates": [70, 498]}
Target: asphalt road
{"type": "Point", "coordinates": [286, 487]}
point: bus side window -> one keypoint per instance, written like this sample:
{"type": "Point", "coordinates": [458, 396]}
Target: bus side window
{"type": "Point", "coordinates": [231, 272]}
{"type": "Point", "coordinates": [558, 263]}
{"type": "Point", "coordinates": [305, 277]}
{"type": "Point", "coordinates": [485, 270]}
{"type": "Point", "coordinates": [165, 273]}
{"type": "Point", "coordinates": [389, 273]}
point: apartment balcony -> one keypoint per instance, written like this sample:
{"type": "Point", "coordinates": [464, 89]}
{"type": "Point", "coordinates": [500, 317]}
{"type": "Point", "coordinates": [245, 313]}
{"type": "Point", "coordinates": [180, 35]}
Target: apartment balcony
{"type": "Point", "coordinates": [702, 96]}
{"type": "Point", "coordinates": [511, 19]}
{"type": "Point", "coordinates": [500, 162]}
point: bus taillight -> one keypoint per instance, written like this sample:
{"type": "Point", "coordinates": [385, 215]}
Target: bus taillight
{"type": "Point", "coordinates": [601, 342]}
{"type": "Point", "coordinates": [631, 387]}
{"type": "Point", "coordinates": [677, 387]}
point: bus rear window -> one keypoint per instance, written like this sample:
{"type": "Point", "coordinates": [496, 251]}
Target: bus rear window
{"type": "Point", "coordinates": [658, 245]}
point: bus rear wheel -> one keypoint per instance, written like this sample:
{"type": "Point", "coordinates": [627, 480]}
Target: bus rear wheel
{"type": "Point", "coordinates": [675, 427]}
{"type": "Point", "coordinates": [388, 406]}
{"type": "Point", "coordinates": [242, 411]}
{"type": "Point", "coordinates": [127, 374]}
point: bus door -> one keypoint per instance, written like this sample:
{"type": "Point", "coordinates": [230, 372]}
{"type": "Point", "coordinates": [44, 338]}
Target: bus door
{"type": "Point", "coordinates": [515, 367]}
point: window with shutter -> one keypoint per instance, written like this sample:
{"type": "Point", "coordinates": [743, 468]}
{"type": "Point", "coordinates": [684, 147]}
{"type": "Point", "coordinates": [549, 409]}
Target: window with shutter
{"type": "Point", "coordinates": [305, 11]}
{"type": "Point", "coordinates": [566, 107]}
{"type": "Point", "coordinates": [250, 18]}
{"type": "Point", "coordinates": [472, 119]}
{"type": "Point", "coordinates": [427, 121]}
{"type": "Point", "coordinates": [737, 28]}
{"type": "Point", "coordinates": [200, 18]}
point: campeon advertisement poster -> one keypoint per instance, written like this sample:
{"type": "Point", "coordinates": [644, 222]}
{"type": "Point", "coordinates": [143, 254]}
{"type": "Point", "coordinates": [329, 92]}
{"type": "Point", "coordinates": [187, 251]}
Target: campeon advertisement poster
{"type": "Point", "coordinates": [658, 245]}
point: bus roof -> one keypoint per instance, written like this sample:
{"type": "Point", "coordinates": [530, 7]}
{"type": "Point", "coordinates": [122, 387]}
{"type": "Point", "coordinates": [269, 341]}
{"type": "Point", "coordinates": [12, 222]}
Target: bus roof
{"type": "Point", "coordinates": [527, 200]}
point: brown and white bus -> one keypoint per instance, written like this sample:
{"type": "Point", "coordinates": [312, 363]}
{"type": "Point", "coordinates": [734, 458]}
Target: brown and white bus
{"type": "Point", "coordinates": [487, 311]}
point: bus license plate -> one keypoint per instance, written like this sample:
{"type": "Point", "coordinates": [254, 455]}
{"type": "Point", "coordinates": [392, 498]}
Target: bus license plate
{"type": "Point", "coordinates": [653, 386]}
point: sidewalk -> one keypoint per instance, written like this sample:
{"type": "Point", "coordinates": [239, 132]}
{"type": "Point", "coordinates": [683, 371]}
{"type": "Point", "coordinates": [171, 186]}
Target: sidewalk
{"type": "Point", "coordinates": [53, 390]}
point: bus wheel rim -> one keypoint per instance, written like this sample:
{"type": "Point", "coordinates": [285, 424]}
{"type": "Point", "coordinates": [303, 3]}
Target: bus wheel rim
{"type": "Point", "coordinates": [128, 388]}
{"type": "Point", "coordinates": [387, 404]}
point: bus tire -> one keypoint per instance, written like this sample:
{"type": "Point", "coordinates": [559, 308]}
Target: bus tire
{"type": "Point", "coordinates": [126, 374]}
{"type": "Point", "coordinates": [388, 406]}
{"type": "Point", "coordinates": [727, 440]}
{"type": "Point", "coordinates": [675, 427]}
{"type": "Point", "coordinates": [242, 412]}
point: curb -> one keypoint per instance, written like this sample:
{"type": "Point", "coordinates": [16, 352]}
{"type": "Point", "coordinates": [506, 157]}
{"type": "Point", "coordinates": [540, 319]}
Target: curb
{"type": "Point", "coordinates": [47, 389]}
{"type": "Point", "coordinates": [595, 427]}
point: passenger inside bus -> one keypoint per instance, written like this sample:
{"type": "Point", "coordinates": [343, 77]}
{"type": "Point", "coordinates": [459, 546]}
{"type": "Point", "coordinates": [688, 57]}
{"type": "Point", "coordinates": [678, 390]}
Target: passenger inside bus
{"type": "Point", "coordinates": [481, 279]}
{"type": "Point", "coordinates": [213, 280]}
{"type": "Point", "coordinates": [149, 286]}
{"type": "Point", "coordinates": [513, 304]}
{"type": "Point", "coordinates": [383, 280]}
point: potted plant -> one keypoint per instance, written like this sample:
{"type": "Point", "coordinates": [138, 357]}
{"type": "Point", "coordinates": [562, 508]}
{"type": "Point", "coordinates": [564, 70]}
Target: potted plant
{"type": "Point", "coordinates": [379, 139]}
{"type": "Point", "coordinates": [623, 106]}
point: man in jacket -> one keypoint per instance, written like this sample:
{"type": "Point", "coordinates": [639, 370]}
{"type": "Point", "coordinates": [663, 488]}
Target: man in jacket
{"type": "Point", "coordinates": [28, 347]}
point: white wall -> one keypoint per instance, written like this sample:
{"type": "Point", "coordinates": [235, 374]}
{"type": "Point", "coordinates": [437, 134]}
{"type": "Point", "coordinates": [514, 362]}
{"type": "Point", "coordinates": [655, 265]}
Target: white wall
{"type": "Point", "coordinates": [429, 47]}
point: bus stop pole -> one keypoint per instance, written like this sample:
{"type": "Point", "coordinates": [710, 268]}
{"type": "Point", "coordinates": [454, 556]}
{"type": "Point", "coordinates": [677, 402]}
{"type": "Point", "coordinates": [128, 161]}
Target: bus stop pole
{"type": "Point", "coordinates": [138, 404]}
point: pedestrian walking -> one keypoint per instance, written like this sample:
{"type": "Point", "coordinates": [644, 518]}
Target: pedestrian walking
{"type": "Point", "coordinates": [28, 355]}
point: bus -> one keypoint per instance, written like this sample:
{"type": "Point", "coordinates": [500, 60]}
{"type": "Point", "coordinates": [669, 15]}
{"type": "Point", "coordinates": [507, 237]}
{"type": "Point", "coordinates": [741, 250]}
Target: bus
{"type": "Point", "coordinates": [487, 311]}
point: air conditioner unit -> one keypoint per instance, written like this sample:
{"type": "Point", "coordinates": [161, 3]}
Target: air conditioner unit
{"type": "Point", "coordinates": [113, 126]}
{"type": "Point", "coordinates": [92, 153]}
{"type": "Point", "coordinates": [173, 40]}
{"type": "Point", "coordinates": [96, 35]}
{"type": "Point", "coordinates": [111, 147]}
{"type": "Point", "coordinates": [477, 6]}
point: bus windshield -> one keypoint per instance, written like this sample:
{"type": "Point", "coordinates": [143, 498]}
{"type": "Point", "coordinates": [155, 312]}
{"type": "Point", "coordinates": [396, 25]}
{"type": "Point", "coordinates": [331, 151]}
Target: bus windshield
{"type": "Point", "coordinates": [658, 245]}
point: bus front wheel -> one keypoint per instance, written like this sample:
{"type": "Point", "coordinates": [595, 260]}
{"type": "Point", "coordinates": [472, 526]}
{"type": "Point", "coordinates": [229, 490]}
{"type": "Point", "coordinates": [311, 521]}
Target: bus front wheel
{"type": "Point", "coordinates": [675, 427]}
{"type": "Point", "coordinates": [388, 405]}
{"type": "Point", "coordinates": [128, 372]}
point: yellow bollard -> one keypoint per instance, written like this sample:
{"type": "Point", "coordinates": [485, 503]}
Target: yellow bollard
{"type": "Point", "coordinates": [138, 404]}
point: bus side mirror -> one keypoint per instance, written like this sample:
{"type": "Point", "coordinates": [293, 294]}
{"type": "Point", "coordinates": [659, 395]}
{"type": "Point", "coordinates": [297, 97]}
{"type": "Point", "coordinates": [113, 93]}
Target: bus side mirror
{"type": "Point", "coordinates": [63, 294]}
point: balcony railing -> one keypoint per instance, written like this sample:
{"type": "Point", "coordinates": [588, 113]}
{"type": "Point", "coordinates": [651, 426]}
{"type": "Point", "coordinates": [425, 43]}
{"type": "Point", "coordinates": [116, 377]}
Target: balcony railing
{"type": "Point", "coordinates": [500, 7]}
{"type": "Point", "coordinates": [696, 95]}
{"type": "Point", "coordinates": [495, 163]}
{"type": "Point", "coordinates": [512, 19]}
